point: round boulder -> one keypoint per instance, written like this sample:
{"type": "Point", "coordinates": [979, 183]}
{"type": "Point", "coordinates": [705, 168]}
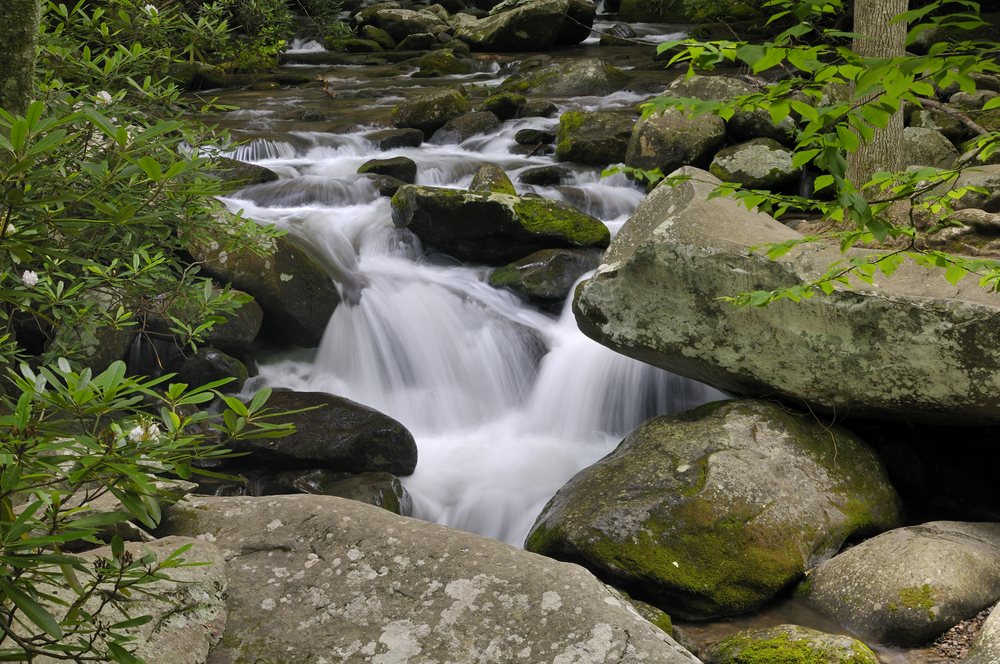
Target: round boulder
{"type": "Point", "coordinates": [597, 138]}
{"type": "Point", "coordinates": [577, 78]}
{"type": "Point", "coordinates": [711, 512]}
{"type": "Point", "coordinates": [400, 23]}
{"type": "Point", "coordinates": [209, 365]}
{"type": "Point", "coordinates": [390, 139]}
{"type": "Point", "coordinates": [400, 168]}
{"type": "Point", "coordinates": [758, 164]}
{"type": "Point", "coordinates": [429, 112]}
{"type": "Point", "coordinates": [492, 178]}
{"type": "Point", "coordinates": [789, 643]}
{"type": "Point", "coordinates": [546, 275]}
{"type": "Point", "coordinates": [927, 147]}
{"type": "Point", "coordinates": [672, 140]}
{"type": "Point", "coordinates": [909, 585]}
{"type": "Point", "coordinates": [504, 105]}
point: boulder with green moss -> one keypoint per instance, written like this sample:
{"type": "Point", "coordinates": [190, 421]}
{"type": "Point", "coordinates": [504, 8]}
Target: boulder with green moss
{"type": "Point", "coordinates": [504, 105]}
{"type": "Point", "coordinates": [493, 228]}
{"type": "Point", "coordinates": [907, 586]}
{"type": "Point", "coordinates": [400, 168]}
{"type": "Point", "coordinates": [400, 23]}
{"type": "Point", "coordinates": [672, 140]}
{"type": "Point", "coordinates": [597, 138]}
{"type": "Point", "coordinates": [390, 139]}
{"type": "Point", "coordinates": [464, 127]}
{"type": "Point", "coordinates": [444, 63]}
{"type": "Point", "coordinates": [789, 643]}
{"type": "Point", "coordinates": [577, 78]}
{"type": "Point", "coordinates": [429, 112]}
{"type": "Point", "coordinates": [534, 26]}
{"type": "Point", "coordinates": [379, 36]}
{"type": "Point", "coordinates": [546, 276]}
{"type": "Point", "coordinates": [758, 164]}
{"type": "Point", "coordinates": [492, 178]}
{"type": "Point", "coordinates": [711, 512]}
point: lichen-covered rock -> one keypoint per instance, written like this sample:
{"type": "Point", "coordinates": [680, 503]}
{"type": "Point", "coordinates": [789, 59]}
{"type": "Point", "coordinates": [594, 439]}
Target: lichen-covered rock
{"type": "Point", "coordinates": [504, 105]}
{"type": "Point", "coordinates": [577, 78]}
{"type": "Point", "coordinates": [209, 365]}
{"type": "Point", "coordinates": [656, 299]}
{"type": "Point", "coordinates": [313, 577]}
{"type": "Point", "coordinates": [492, 178]}
{"type": "Point", "coordinates": [986, 177]}
{"type": "Point", "coordinates": [709, 88]}
{"type": "Point", "coordinates": [400, 168]}
{"type": "Point", "coordinates": [758, 164]}
{"type": "Point", "coordinates": [464, 127]}
{"type": "Point", "coordinates": [337, 434]}
{"type": "Point", "coordinates": [429, 112]}
{"type": "Point", "coordinates": [444, 63]}
{"type": "Point", "coordinates": [546, 275]}
{"type": "Point", "coordinates": [380, 489]}
{"type": "Point", "coordinates": [296, 294]}
{"type": "Point", "coordinates": [909, 585]}
{"type": "Point", "coordinates": [789, 643]}
{"type": "Point", "coordinates": [493, 228]}
{"type": "Point", "coordinates": [927, 147]}
{"type": "Point", "coordinates": [597, 138]}
{"type": "Point", "coordinates": [400, 23]}
{"type": "Point", "coordinates": [390, 139]}
{"type": "Point", "coordinates": [369, 15]}
{"type": "Point", "coordinates": [986, 648]}
{"type": "Point", "coordinates": [672, 140]}
{"type": "Point", "coordinates": [534, 26]}
{"type": "Point", "coordinates": [711, 512]}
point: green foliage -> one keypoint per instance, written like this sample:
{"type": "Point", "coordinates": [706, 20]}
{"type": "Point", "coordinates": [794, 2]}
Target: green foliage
{"type": "Point", "coordinates": [720, 10]}
{"type": "Point", "coordinates": [264, 23]}
{"type": "Point", "coordinates": [68, 439]}
{"type": "Point", "coordinates": [325, 16]}
{"type": "Point", "coordinates": [831, 125]}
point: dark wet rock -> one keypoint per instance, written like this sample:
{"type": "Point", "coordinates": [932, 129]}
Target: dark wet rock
{"type": "Point", "coordinates": [544, 176]}
{"type": "Point", "coordinates": [758, 164]}
{"type": "Point", "coordinates": [579, 20]}
{"type": "Point", "coordinates": [420, 41]}
{"type": "Point", "coordinates": [748, 125]}
{"type": "Point", "coordinates": [711, 512]}
{"type": "Point", "coordinates": [896, 589]}
{"type": "Point", "coordinates": [406, 587]}
{"type": "Point", "coordinates": [361, 46]}
{"type": "Point", "coordinates": [236, 174]}
{"type": "Point", "coordinates": [453, 6]}
{"type": "Point", "coordinates": [546, 275]}
{"type": "Point", "coordinates": [492, 228]}
{"type": "Point", "coordinates": [537, 109]}
{"type": "Point", "coordinates": [534, 26]}
{"type": "Point", "coordinates": [492, 178]}
{"type": "Point", "coordinates": [391, 139]}
{"type": "Point", "coordinates": [789, 643]}
{"type": "Point", "coordinates": [444, 63]}
{"type": "Point", "coordinates": [209, 365]}
{"type": "Point", "coordinates": [620, 34]}
{"type": "Point", "coordinates": [671, 140]}
{"type": "Point", "coordinates": [464, 127]}
{"type": "Point", "coordinates": [197, 76]}
{"type": "Point", "coordinates": [312, 115]}
{"type": "Point", "coordinates": [387, 186]}
{"type": "Point", "coordinates": [534, 137]}
{"type": "Point", "coordinates": [336, 434]}
{"type": "Point", "coordinates": [401, 23]}
{"type": "Point", "coordinates": [232, 336]}
{"type": "Point", "coordinates": [97, 348]}
{"type": "Point", "coordinates": [429, 112]}
{"type": "Point", "coordinates": [400, 168]}
{"type": "Point", "coordinates": [379, 36]}
{"type": "Point", "coordinates": [598, 138]}
{"type": "Point", "coordinates": [504, 105]}
{"type": "Point", "coordinates": [576, 78]}
{"type": "Point", "coordinates": [380, 489]}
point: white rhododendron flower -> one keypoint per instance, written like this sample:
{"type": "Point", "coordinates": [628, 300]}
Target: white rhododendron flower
{"type": "Point", "coordinates": [151, 10]}
{"type": "Point", "coordinates": [135, 435]}
{"type": "Point", "coordinates": [103, 98]}
{"type": "Point", "coordinates": [29, 279]}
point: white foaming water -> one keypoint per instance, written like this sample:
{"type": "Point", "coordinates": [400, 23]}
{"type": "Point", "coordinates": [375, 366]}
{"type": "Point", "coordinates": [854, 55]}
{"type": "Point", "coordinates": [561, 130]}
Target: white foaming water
{"type": "Point", "coordinates": [506, 403]}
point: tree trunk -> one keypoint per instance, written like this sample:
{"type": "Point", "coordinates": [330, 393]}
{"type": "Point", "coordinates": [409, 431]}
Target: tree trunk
{"type": "Point", "coordinates": [885, 151]}
{"type": "Point", "coordinates": [19, 27]}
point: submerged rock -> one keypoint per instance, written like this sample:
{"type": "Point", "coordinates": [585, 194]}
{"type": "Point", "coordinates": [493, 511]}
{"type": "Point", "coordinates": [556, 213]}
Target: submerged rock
{"type": "Point", "coordinates": [546, 275]}
{"type": "Point", "coordinates": [910, 347]}
{"type": "Point", "coordinates": [544, 176]}
{"type": "Point", "coordinates": [337, 434]}
{"type": "Point", "coordinates": [493, 228]}
{"type": "Point", "coordinates": [405, 588]}
{"type": "Point", "coordinates": [597, 138]}
{"type": "Point", "coordinates": [789, 643]}
{"type": "Point", "coordinates": [909, 585]}
{"type": "Point", "coordinates": [429, 112]}
{"type": "Point", "coordinates": [711, 512]}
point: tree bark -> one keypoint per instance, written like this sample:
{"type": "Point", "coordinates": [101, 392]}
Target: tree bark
{"type": "Point", "coordinates": [19, 27]}
{"type": "Point", "coordinates": [885, 151]}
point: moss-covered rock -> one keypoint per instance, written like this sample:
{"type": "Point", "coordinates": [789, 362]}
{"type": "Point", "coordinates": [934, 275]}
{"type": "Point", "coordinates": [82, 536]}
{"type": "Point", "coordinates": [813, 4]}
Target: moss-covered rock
{"type": "Point", "coordinates": [400, 168]}
{"type": "Point", "coordinates": [950, 126]}
{"type": "Point", "coordinates": [538, 109]}
{"type": "Point", "coordinates": [672, 140]}
{"type": "Point", "coordinates": [789, 644]}
{"type": "Point", "coordinates": [209, 365]}
{"type": "Point", "coordinates": [711, 512]}
{"type": "Point", "coordinates": [758, 164]}
{"type": "Point", "coordinates": [444, 63]}
{"type": "Point", "coordinates": [369, 15]}
{"type": "Point", "coordinates": [400, 23]}
{"type": "Point", "coordinates": [357, 46]}
{"type": "Point", "coordinates": [598, 138]}
{"type": "Point", "coordinates": [493, 228]}
{"type": "Point", "coordinates": [419, 41]}
{"type": "Point", "coordinates": [534, 26]}
{"type": "Point", "coordinates": [237, 174]}
{"type": "Point", "coordinates": [544, 176]}
{"type": "Point", "coordinates": [895, 588]}
{"type": "Point", "coordinates": [546, 276]}
{"type": "Point", "coordinates": [429, 112]}
{"type": "Point", "coordinates": [576, 78]}
{"type": "Point", "coordinates": [379, 36]}
{"type": "Point", "coordinates": [492, 178]}
{"type": "Point", "coordinates": [464, 127]}
{"type": "Point", "coordinates": [504, 105]}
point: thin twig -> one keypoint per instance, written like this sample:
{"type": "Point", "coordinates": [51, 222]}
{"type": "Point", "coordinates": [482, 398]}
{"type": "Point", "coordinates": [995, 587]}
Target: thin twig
{"type": "Point", "coordinates": [965, 119]}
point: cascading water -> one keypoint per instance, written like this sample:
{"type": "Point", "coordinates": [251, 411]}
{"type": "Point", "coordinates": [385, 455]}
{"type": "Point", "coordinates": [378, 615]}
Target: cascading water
{"type": "Point", "coordinates": [506, 403]}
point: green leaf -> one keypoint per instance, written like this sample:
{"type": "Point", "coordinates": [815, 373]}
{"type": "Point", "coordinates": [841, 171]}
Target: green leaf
{"type": "Point", "coordinates": [955, 273]}
{"type": "Point", "coordinates": [152, 168]}
{"type": "Point", "coordinates": [992, 103]}
{"type": "Point", "coordinates": [32, 610]}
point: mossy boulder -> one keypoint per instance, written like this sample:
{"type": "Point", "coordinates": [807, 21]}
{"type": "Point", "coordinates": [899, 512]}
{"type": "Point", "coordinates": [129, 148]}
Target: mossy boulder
{"type": "Point", "coordinates": [758, 164]}
{"type": "Point", "coordinates": [950, 126]}
{"type": "Point", "coordinates": [534, 26]}
{"type": "Point", "coordinates": [400, 168]}
{"type": "Point", "coordinates": [537, 109]}
{"type": "Point", "coordinates": [546, 276]}
{"type": "Point", "coordinates": [493, 228]}
{"type": "Point", "coordinates": [672, 140]}
{"type": "Point", "coordinates": [597, 138]}
{"type": "Point", "coordinates": [209, 365]}
{"type": "Point", "coordinates": [504, 105]}
{"type": "Point", "coordinates": [429, 112]}
{"type": "Point", "coordinates": [791, 644]}
{"type": "Point", "coordinates": [907, 586]}
{"type": "Point", "coordinates": [369, 15]}
{"type": "Point", "coordinates": [358, 46]}
{"type": "Point", "coordinates": [464, 127]}
{"type": "Point", "coordinates": [380, 489]}
{"type": "Point", "coordinates": [335, 433]}
{"type": "Point", "coordinates": [237, 174]}
{"type": "Point", "coordinates": [419, 41]}
{"type": "Point", "coordinates": [379, 36]}
{"type": "Point", "coordinates": [927, 147]}
{"type": "Point", "coordinates": [711, 512]}
{"type": "Point", "coordinates": [576, 78]}
{"type": "Point", "coordinates": [534, 137]}
{"type": "Point", "coordinates": [400, 23]}
{"type": "Point", "coordinates": [492, 178]}
{"type": "Point", "coordinates": [390, 139]}
{"type": "Point", "coordinates": [444, 63]}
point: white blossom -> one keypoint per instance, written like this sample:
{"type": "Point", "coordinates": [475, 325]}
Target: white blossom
{"type": "Point", "coordinates": [135, 435]}
{"type": "Point", "coordinates": [151, 10]}
{"type": "Point", "coordinates": [29, 279]}
{"type": "Point", "coordinates": [103, 98]}
{"type": "Point", "coordinates": [10, 230]}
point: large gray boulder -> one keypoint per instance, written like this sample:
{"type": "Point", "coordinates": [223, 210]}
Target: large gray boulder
{"type": "Point", "coordinates": [400, 23]}
{"type": "Point", "coordinates": [762, 163]}
{"type": "Point", "coordinates": [429, 112]}
{"type": "Point", "coordinates": [490, 227]}
{"type": "Point", "coordinates": [317, 578]}
{"type": "Point", "coordinates": [909, 585]}
{"type": "Point", "coordinates": [597, 138]}
{"type": "Point", "coordinates": [789, 643]}
{"type": "Point", "coordinates": [534, 26]}
{"type": "Point", "coordinates": [576, 78]}
{"type": "Point", "coordinates": [711, 512]}
{"type": "Point", "coordinates": [670, 140]}
{"type": "Point", "coordinates": [927, 147]}
{"type": "Point", "coordinates": [911, 347]}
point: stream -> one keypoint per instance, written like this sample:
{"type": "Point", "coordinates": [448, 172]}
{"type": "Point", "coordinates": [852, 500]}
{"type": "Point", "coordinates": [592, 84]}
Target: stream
{"type": "Point", "coordinates": [506, 402]}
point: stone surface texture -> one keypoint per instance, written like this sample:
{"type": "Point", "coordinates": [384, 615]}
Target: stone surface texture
{"type": "Point", "coordinates": [672, 140]}
{"type": "Point", "coordinates": [534, 26]}
{"type": "Point", "coordinates": [986, 648]}
{"type": "Point", "coordinates": [789, 643]}
{"type": "Point", "coordinates": [597, 138]}
{"type": "Point", "coordinates": [316, 579]}
{"type": "Point", "coordinates": [586, 77]}
{"type": "Point", "coordinates": [762, 163]}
